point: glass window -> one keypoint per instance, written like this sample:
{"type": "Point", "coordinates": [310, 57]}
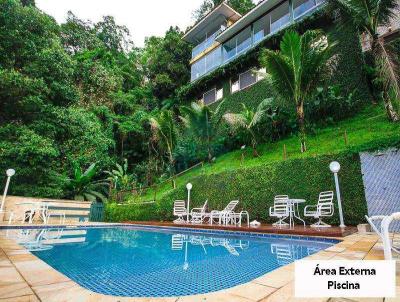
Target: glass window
{"type": "Point", "coordinates": [244, 40]}
{"type": "Point", "coordinates": [210, 96]}
{"type": "Point", "coordinates": [229, 49]}
{"type": "Point", "coordinates": [300, 7]}
{"type": "Point", "coordinates": [246, 79]}
{"type": "Point", "coordinates": [198, 69]}
{"type": "Point", "coordinates": [262, 28]}
{"type": "Point", "coordinates": [280, 16]}
{"type": "Point", "coordinates": [213, 59]}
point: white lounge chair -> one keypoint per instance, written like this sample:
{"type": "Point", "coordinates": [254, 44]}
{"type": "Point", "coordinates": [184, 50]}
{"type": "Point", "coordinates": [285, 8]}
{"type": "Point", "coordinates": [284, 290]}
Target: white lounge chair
{"type": "Point", "coordinates": [223, 215]}
{"type": "Point", "coordinates": [285, 253]}
{"type": "Point", "coordinates": [384, 234]}
{"type": "Point", "coordinates": [180, 211]}
{"type": "Point", "coordinates": [236, 218]}
{"type": "Point", "coordinates": [324, 208]}
{"type": "Point", "coordinates": [177, 242]}
{"type": "Point", "coordinates": [280, 210]}
{"type": "Point", "coordinates": [199, 214]}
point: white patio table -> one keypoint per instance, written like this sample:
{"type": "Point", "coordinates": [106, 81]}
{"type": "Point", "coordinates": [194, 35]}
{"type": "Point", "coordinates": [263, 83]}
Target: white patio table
{"type": "Point", "coordinates": [293, 208]}
{"type": "Point", "coordinates": [41, 207]}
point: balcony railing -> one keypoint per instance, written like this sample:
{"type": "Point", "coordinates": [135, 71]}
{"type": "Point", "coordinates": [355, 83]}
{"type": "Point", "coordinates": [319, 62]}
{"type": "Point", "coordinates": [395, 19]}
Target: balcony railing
{"type": "Point", "coordinates": [272, 22]}
{"type": "Point", "coordinates": [205, 44]}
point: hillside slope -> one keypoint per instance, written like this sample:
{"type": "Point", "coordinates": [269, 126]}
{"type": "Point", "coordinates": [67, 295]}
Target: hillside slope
{"type": "Point", "coordinates": [258, 179]}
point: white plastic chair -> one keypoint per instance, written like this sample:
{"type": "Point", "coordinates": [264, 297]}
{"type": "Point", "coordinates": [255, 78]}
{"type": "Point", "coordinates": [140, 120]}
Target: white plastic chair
{"type": "Point", "coordinates": [324, 208]}
{"type": "Point", "coordinates": [236, 218]}
{"type": "Point", "coordinates": [222, 216]}
{"type": "Point", "coordinates": [199, 214]}
{"type": "Point", "coordinates": [280, 210]}
{"type": "Point", "coordinates": [180, 211]}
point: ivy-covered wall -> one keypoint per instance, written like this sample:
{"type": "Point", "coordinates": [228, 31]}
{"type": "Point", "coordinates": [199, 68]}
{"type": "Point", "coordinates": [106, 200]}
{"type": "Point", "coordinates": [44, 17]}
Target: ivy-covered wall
{"type": "Point", "coordinates": [256, 187]}
{"type": "Point", "coordinates": [349, 72]}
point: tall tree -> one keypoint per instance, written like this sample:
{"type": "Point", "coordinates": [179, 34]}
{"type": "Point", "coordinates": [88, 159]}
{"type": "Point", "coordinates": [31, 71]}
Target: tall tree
{"type": "Point", "coordinates": [369, 16]}
{"type": "Point", "coordinates": [115, 37]}
{"type": "Point", "coordinates": [78, 35]}
{"type": "Point", "coordinates": [241, 6]}
{"type": "Point", "coordinates": [165, 134]}
{"type": "Point", "coordinates": [297, 69]}
{"type": "Point", "coordinates": [166, 63]}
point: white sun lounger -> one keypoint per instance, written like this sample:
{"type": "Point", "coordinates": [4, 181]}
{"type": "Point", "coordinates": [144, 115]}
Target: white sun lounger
{"type": "Point", "coordinates": [199, 214]}
{"type": "Point", "coordinates": [384, 234]}
{"type": "Point", "coordinates": [222, 215]}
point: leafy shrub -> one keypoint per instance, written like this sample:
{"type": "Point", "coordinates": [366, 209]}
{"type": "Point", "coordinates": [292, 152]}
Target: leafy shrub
{"type": "Point", "coordinates": [329, 104]}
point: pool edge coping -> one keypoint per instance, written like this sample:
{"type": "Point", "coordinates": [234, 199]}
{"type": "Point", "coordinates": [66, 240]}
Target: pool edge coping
{"type": "Point", "coordinates": [267, 284]}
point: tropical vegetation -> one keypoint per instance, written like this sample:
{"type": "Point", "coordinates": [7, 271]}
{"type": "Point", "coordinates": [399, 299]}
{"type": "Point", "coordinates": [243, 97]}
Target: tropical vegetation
{"type": "Point", "coordinates": [297, 70]}
{"type": "Point", "coordinates": [369, 16]}
{"type": "Point", "coordinates": [87, 115]}
{"type": "Point", "coordinates": [248, 121]}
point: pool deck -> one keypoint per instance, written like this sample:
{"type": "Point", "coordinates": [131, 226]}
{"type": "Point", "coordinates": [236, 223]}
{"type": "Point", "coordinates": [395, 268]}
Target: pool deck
{"type": "Point", "coordinates": [24, 277]}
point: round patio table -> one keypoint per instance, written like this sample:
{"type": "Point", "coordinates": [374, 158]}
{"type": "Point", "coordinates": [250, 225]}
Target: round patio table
{"type": "Point", "coordinates": [293, 208]}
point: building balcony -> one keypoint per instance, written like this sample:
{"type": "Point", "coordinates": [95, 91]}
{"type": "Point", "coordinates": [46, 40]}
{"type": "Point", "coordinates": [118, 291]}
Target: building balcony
{"type": "Point", "coordinates": [273, 21]}
{"type": "Point", "coordinates": [207, 43]}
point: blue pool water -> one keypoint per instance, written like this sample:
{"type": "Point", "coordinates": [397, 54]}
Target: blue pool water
{"type": "Point", "coordinates": [135, 262]}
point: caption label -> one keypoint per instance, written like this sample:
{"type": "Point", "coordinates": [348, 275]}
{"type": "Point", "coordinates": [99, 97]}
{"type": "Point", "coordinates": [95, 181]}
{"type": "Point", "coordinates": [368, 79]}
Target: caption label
{"type": "Point", "coordinates": [345, 279]}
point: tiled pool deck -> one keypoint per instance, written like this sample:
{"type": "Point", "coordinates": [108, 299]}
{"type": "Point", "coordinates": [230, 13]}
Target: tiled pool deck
{"type": "Point", "coordinates": [24, 277]}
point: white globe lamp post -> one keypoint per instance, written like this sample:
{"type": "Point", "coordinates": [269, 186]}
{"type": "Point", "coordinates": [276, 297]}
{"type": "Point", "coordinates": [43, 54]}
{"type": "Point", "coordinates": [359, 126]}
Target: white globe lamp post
{"type": "Point", "coordinates": [335, 168]}
{"type": "Point", "coordinates": [189, 187]}
{"type": "Point", "coordinates": [10, 173]}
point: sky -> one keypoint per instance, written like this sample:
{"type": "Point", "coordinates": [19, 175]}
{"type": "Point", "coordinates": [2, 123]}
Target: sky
{"type": "Point", "coordinates": [143, 18]}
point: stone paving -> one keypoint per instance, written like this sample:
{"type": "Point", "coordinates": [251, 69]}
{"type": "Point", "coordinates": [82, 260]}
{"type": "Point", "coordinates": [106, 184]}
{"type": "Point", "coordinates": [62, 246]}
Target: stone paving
{"type": "Point", "coordinates": [24, 277]}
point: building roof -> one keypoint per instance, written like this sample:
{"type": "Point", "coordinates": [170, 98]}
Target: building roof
{"type": "Point", "coordinates": [260, 9]}
{"type": "Point", "coordinates": [207, 23]}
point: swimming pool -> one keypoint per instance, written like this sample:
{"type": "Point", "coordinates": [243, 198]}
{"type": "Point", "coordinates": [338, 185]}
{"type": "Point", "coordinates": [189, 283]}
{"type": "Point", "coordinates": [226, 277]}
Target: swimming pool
{"type": "Point", "coordinates": [141, 262]}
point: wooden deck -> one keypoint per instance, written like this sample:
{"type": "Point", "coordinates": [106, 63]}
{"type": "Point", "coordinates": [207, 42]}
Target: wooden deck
{"type": "Point", "coordinates": [264, 228]}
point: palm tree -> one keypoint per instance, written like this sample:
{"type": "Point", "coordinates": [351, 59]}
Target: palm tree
{"type": "Point", "coordinates": [198, 118]}
{"type": "Point", "coordinates": [165, 135]}
{"type": "Point", "coordinates": [296, 70]}
{"type": "Point", "coordinates": [83, 185]}
{"type": "Point", "coordinates": [247, 120]}
{"type": "Point", "coordinates": [368, 16]}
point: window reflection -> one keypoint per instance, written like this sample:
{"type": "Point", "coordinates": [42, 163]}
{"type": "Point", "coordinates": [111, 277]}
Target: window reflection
{"type": "Point", "coordinates": [262, 28]}
{"type": "Point", "coordinates": [229, 49]}
{"type": "Point", "coordinates": [300, 7]}
{"type": "Point", "coordinates": [243, 40]}
{"type": "Point", "coordinates": [280, 17]}
{"type": "Point", "coordinates": [272, 22]}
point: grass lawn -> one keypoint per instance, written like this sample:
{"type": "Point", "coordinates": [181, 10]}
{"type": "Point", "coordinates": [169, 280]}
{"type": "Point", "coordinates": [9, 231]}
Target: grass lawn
{"type": "Point", "coordinates": [370, 126]}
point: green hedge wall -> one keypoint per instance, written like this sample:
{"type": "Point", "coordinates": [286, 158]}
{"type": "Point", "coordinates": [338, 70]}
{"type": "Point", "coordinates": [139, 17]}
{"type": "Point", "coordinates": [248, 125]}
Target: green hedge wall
{"type": "Point", "coordinates": [251, 96]}
{"type": "Point", "coordinates": [256, 187]}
